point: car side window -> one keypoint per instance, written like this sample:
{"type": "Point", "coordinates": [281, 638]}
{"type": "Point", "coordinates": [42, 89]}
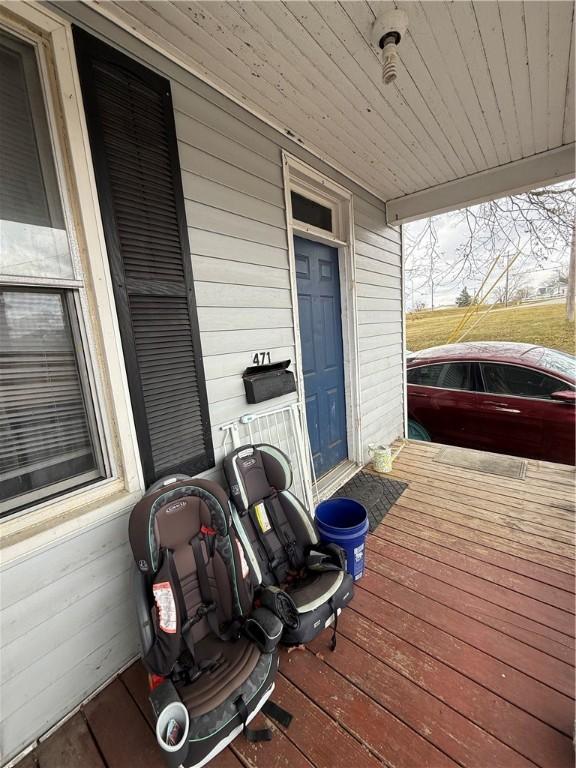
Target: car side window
{"type": "Point", "coordinates": [425, 375]}
{"type": "Point", "coordinates": [457, 376]}
{"type": "Point", "coordinates": [519, 381]}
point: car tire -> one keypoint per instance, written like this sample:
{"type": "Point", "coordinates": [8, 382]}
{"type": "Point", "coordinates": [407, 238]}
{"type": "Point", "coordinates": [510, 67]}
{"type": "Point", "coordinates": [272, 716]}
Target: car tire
{"type": "Point", "coordinates": [417, 432]}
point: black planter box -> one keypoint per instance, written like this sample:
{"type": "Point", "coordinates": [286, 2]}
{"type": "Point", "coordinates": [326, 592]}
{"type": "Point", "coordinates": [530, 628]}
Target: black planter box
{"type": "Point", "coordinates": [264, 382]}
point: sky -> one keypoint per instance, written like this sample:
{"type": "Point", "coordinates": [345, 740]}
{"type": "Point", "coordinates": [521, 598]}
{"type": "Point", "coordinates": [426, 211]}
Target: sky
{"type": "Point", "coordinates": [453, 232]}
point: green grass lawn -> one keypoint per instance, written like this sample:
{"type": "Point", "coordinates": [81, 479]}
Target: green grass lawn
{"type": "Point", "coordinates": [543, 324]}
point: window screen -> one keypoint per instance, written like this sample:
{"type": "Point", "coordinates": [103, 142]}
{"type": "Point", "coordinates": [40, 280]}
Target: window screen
{"type": "Point", "coordinates": [425, 375]}
{"type": "Point", "coordinates": [519, 381]}
{"type": "Point", "coordinates": [310, 212]}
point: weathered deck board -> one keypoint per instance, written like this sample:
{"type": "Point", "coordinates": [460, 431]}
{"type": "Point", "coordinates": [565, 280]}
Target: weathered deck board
{"type": "Point", "coordinates": [504, 579]}
{"type": "Point", "coordinates": [70, 747]}
{"type": "Point", "coordinates": [458, 648]}
{"type": "Point", "coordinates": [560, 620]}
{"type": "Point", "coordinates": [505, 621]}
{"type": "Point", "coordinates": [120, 730]}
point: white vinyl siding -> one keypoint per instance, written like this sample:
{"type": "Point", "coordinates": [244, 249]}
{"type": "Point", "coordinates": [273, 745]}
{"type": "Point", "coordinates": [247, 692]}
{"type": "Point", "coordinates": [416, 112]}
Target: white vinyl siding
{"type": "Point", "coordinates": [379, 307]}
{"type": "Point", "coordinates": [67, 626]}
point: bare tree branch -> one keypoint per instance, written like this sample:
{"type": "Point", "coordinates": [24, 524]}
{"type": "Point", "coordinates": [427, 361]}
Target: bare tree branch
{"type": "Point", "coordinates": [535, 227]}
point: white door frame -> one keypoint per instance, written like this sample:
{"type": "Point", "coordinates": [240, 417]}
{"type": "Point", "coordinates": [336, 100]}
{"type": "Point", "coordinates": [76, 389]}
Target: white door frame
{"type": "Point", "coordinates": [300, 177]}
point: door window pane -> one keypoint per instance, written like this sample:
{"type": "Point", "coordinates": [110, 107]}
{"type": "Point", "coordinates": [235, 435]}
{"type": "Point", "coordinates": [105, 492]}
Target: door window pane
{"type": "Point", "coordinates": [311, 212]}
{"type": "Point", "coordinates": [425, 375]}
{"type": "Point", "coordinates": [456, 376]}
{"type": "Point", "coordinates": [519, 381]}
{"type": "Point", "coordinates": [45, 419]}
{"type": "Point", "coordinates": [33, 239]}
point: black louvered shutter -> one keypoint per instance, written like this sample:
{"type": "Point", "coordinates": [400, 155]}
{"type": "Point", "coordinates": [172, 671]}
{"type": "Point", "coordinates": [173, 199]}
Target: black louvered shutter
{"type": "Point", "coordinates": [133, 140]}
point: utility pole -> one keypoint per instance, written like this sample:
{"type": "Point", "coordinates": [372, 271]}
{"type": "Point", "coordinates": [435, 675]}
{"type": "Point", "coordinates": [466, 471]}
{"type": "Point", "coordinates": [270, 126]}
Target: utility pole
{"type": "Point", "coordinates": [507, 280]}
{"type": "Point", "coordinates": [432, 280]}
{"type": "Point", "coordinates": [571, 287]}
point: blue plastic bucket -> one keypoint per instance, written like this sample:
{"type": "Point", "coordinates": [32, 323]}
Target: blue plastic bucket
{"type": "Point", "coordinates": [345, 522]}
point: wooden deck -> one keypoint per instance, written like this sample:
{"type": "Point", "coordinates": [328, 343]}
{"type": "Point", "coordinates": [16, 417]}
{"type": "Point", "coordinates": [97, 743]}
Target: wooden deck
{"type": "Point", "coordinates": [458, 648]}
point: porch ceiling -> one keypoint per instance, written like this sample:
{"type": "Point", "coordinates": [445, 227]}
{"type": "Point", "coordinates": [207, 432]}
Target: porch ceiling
{"type": "Point", "coordinates": [480, 84]}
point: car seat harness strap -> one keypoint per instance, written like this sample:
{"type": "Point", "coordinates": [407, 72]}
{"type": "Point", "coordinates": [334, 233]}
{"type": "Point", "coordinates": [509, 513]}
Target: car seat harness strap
{"type": "Point", "coordinates": [208, 607]}
{"type": "Point", "coordinates": [276, 558]}
{"type": "Point", "coordinates": [261, 734]}
{"type": "Point", "coordinates": [334, 625]}
{"type": "Point", "coordinates": [188, 666]}
{"type": "Point", "coordinates": [278, 713]}
{"type": "Point", "coordinates": [283, 530]}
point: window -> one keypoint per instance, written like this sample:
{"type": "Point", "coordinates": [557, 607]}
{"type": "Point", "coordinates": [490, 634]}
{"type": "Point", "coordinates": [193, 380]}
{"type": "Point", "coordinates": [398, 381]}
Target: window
{"type": "Point", "coordinates": [456, 376]}
{"type": "Point", "coordinates": [310, 212]}
{"type": "Point", "coordinates": [557, 362]}
{"type": "Point", "coordinates": [133, 141]}
{"type": "Point", "coordinates": [49, 440]}
{"type": "Point", "coordinates": [443, 375]}
{"type": "Point", "coordinates": [519, 381]}
{"type": "Point", "coordinates": [425, 375]}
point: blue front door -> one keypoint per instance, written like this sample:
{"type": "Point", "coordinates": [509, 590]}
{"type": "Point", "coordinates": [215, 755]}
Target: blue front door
{"type": "Point", "coordinates": [322, 358]}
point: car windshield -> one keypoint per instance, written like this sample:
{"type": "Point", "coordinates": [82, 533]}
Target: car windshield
{"type": "Point", "coordinates": [558, 362]}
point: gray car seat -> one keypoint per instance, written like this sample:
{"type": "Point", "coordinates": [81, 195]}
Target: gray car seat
{"type": "Point", "coordinates": [294, 569]}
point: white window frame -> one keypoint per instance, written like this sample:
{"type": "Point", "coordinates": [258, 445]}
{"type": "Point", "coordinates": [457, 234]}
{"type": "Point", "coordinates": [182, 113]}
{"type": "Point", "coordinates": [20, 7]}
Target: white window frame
{"type": "Point", "coordinates": [305, 180]}
{"type": "Point", "coordinates": [52, 38]}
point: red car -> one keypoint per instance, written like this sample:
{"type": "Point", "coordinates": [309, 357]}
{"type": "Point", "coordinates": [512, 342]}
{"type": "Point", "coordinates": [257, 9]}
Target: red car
{"type": "Point", "coordinates": [518, 399]}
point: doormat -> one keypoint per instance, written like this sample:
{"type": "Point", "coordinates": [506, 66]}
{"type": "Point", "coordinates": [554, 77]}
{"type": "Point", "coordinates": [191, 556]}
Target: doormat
{"type": "Point", "coordinates": [375, 493]}
{"type": "Point", "coordinates": [479, 461]}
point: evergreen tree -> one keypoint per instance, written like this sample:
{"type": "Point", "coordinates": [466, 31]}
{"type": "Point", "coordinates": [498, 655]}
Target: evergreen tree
{"type": "Point", "coordinates": [464, 299]}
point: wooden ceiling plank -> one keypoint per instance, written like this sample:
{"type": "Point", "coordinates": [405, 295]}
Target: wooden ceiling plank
{"type": "Point", "coordinates": [344, 30]}
{"type": "Point", "coordinates": [536, 19]}
{"type": "Point", "coordinates": [489, 24]}
{"type": "Point", "coordinates": [415, 66]}
{"type": "Point", "coordinates": [468, 34]}
{"type": "Point", "coordinates": [560, 20]}
{"type": "Point", "coordinates": [363, 98]}
{"type": "Point", "coordinates": [325, 50]}
{"type": "Point", "coordinates": [421, 38]}
{"type": "Point", "coordinates": [223, 21]}
{"type": "Point", "coordinates": [202, 29]}
{"type": "Point", "coordinates": [240, 16]}
{"type": "Point", "coordinates": [457, 84]}
{"type": "Point", "coordinates": [150, 25]}
{"type": "Point", "coordinates": [569, 111]}
{"type": "Point", "coordinates": [353, 32]}
{"type": "Point", "coordinates": [165, 25]}
{"type": "Point", "coordinates": [410, 149]}
{"type": "Point", "coordinates": [514, 28]}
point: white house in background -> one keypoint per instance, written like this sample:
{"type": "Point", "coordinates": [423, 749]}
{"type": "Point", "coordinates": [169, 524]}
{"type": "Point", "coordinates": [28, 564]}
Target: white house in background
{"type": "Point", "coordinates": [188, 189]}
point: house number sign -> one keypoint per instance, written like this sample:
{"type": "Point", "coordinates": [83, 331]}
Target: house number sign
{"type": "Point", "coordinates": [261, 358]}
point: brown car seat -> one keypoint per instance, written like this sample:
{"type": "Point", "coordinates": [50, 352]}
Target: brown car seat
{"type": "Point", "coordinates": [216, 657]}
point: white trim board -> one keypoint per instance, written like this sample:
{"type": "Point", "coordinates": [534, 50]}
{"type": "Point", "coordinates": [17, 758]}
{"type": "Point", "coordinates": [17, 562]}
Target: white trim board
{"type": "Point", "coordinates": [539, 170]}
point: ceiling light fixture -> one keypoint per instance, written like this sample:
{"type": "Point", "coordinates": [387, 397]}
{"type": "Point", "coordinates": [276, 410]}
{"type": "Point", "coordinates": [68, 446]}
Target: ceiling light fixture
{"type": "Point", "coordinates": [387, 31]}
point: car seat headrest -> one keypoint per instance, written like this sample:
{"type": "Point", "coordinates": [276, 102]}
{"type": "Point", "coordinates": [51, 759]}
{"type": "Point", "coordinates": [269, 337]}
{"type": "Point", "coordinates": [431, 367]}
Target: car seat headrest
{"type": "Point", "coordinates": [172, 515]}
{"type": "Point", "coordinates": [255, 472]}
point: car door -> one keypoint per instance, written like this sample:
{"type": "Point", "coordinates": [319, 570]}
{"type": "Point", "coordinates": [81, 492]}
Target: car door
{"type": "Point", "coordinates": [443, 398]}
{"type": "Point", "coordinates": [518, 411]}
